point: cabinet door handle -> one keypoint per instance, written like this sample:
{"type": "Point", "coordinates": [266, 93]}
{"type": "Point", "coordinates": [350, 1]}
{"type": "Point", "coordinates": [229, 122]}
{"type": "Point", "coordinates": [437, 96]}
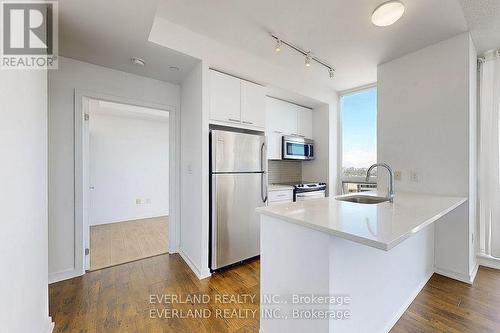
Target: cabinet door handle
{"type": "Point", "coordinates": [247, 122]}
{"type": "Point", "coordinates": [233, 120]}
{"type": "Point", "coordinates": [278, 132]}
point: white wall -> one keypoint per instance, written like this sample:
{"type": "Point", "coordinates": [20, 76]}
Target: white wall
{"type": "Point", "coordinates": [473, 155]}
{"type": "Point", "coordinates": [423, 127]}
{"type": "Point", "coordinates": [194, 191]}
{"type": "Point", "coordinates": [62, 83]}
{"type": "Point", "coordinates": [129, 161]}
{"type": "Point", "coordinates": [23, 202]}
{"type": "Point", "coordinates": [324, 167]}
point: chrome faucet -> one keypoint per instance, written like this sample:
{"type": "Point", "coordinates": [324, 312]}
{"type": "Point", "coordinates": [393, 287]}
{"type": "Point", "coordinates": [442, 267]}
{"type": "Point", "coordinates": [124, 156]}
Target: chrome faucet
{"type": "Point", "coordinates": [390, 192]}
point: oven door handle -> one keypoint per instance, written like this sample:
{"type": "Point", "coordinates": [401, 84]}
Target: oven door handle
{"type": "Point", "coordinates": [310, 193]}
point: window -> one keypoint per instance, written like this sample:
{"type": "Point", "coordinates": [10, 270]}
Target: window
{"type": "Point", "coordinates": [359, 138]}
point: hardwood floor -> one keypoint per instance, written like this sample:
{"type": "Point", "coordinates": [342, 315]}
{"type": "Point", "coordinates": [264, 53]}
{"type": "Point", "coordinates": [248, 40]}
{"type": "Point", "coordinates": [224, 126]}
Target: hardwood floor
{"type": "Point", "coordinates": [117, 243]}
{"type": "Point", "coordinates": [117, 299]}
{"type": "Point", "coordinates": [446, 305]}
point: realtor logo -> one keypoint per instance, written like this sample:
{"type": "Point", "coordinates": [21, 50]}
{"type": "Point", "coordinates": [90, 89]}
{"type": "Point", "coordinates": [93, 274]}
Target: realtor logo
{"type": "Point", "coordinates": [29, 37]}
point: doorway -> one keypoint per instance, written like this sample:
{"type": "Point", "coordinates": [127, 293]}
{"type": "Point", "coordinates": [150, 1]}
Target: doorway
{"type": "Point", "coordinates": [126, 173]}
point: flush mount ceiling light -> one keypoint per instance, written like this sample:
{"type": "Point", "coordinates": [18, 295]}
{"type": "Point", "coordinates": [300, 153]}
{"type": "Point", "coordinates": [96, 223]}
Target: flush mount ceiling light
{"type": "Point", "coordinates": [309, 57]}
{"type": "Point", "coordinates": [388, 13]}
{"type": "Point", "coordinates": [138, 61]}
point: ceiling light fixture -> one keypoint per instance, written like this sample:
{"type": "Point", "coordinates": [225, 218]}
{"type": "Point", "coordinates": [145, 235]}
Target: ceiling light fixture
{"type": "Point", "coordinates": [388, 13]}
{"type": "Point", "coordinates": [308, 59]}
{"type": "Point", "coordinates": [138, 61]}
{"type": "Point", "coordinates": [278, 45]}
{"type": "Point", "coordinates": [308, 54]}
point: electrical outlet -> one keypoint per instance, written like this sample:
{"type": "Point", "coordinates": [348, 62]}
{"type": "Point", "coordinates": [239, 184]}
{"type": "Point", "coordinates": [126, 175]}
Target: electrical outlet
{"type": "Point", "coordinates": [138, 201]}
{"type": "Point", "coordinates": [397, 175]}
{"type": "Point", "coordinates": [414, 176]}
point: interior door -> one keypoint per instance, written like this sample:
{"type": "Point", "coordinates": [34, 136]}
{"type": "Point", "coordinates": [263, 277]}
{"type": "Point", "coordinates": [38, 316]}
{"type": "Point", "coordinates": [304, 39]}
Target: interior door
{"type": "Point", "coordinates": [235, 224]}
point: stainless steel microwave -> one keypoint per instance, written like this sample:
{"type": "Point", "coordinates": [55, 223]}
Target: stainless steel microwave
{"type": "Point", "coordinates": [297, 148]}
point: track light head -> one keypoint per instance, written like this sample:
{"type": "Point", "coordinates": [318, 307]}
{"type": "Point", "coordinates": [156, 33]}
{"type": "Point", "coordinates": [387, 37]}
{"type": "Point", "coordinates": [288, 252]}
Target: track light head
{"type": "Point", "coordinates": [278, 45]}
{"type": "Point", "coordinates": [308, 59]}
{"type": "Point", "coordinates": [331, 72]}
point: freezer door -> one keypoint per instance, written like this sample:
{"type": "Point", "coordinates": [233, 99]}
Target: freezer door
{"type": "Point", "coordinates": [235, 224]}
{"type": "Point", "coordinates": [237, 152]}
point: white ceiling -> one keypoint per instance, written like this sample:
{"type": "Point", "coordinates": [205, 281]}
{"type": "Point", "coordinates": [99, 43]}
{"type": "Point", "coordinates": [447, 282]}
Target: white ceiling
{"type": "Point", "coordinates": [483, 17]}
{"type": "Point", "coordinates": [338, 31]}
{"type": "Point", "coordinates": [110, 32]}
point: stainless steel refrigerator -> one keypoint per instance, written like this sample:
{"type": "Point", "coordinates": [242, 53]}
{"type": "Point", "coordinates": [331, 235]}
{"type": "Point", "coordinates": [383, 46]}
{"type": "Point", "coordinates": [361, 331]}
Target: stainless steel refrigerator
{"type": "Point", "coordinates": [238, 187]}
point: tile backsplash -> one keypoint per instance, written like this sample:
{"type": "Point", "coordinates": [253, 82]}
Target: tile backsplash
{"type": "Point", "coordinates": [284, 172]}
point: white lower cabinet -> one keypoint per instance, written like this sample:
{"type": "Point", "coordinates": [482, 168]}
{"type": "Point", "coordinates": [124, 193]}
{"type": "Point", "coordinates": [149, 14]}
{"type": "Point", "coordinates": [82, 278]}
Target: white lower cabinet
{"type": "Point", "coordinates": [280, 196]}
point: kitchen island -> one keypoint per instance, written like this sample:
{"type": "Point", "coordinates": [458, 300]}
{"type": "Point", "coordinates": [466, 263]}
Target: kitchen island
{"type": "Point", "coordinates": [329, 265]}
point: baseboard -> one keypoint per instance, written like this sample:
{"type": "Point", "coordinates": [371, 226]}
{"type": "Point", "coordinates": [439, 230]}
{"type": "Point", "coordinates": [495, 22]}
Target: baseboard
{"type": "Point", "coordinates": [189, 262]}
{"type": "Point", "coordinates": [488, 261]}
{"type": "Point", "coordinates": [474, 273]}
{"type": "Point", "coordinates": [64, 275]}
{"type": "Point", "coordinates": [454, 275]}
{"type": "Point", "coordinates": [406, 304]}
{"type": "Point", "coordinates": [50, 325]}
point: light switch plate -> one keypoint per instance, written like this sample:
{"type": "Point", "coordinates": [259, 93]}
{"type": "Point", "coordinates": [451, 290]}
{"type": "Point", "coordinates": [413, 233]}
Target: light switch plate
{"type": "Point", "coordinates": [397, 175]}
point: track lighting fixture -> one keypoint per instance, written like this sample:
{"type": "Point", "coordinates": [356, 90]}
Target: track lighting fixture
{"type": "Point", "coordinates": [309, 58]}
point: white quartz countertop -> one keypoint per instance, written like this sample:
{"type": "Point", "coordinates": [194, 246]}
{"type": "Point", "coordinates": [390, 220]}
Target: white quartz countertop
{"type": "Point", "coordinates": [382, 225]}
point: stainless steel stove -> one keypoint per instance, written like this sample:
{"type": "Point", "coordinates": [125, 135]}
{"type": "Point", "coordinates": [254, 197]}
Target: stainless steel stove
{"type": "Point", "coordinates": [309, 191]}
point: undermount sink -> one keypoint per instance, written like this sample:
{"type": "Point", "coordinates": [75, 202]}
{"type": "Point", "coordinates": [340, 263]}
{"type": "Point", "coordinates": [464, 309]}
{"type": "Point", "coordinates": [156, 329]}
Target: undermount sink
{"type": "Point", "coordinates": [364, 199]}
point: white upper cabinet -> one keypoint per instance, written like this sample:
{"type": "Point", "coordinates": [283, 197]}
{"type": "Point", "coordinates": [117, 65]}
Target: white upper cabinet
{"type": "Point", "coordinates": [224, 98]}
{"type": "Point", "coordinates": [253, 104]}
{"type": "Point", "coordinates": [305, 126]}
{"type": "Point", "coordinates": [281, 117]}
{"type": "Point", "coordinates": [284, 118]}
{"type": "Point", "coordinates": [236, 102]}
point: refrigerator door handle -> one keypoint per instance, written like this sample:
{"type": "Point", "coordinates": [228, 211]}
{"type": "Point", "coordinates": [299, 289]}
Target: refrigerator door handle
{"type": "Point", "coordinates": [214, 224]}
{"type": "Point", "coordinates": [263, 187]}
